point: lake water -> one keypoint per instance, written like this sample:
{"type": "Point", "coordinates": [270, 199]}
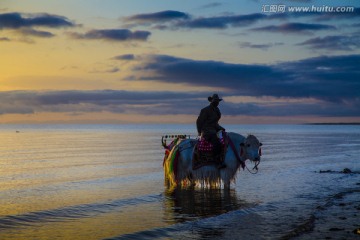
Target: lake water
{"type": "Point", "coordinates": [107, 182]}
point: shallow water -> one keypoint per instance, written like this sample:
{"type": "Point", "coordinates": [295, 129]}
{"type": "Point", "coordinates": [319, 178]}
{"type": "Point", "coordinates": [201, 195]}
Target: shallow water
{"type": "Point", "coordinates": [106, 182]}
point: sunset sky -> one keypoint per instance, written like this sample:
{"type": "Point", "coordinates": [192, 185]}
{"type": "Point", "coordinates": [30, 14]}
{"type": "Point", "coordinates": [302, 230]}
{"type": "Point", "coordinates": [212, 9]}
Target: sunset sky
{"type": "Point", "coordinates": [142, 61]}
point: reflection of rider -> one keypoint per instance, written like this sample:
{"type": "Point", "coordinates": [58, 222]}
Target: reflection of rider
{"type": "Point", "coordinates": [208, 124]}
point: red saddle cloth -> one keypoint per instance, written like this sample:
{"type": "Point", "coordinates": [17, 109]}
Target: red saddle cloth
{"type": "Point", "coordinates": [203, 155]}
{"type": "Point", "coordinates": [205, 146]}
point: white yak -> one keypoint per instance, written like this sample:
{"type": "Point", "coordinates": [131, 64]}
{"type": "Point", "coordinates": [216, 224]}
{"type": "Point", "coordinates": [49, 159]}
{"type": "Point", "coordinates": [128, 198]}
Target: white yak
{"type": "Point", "coordinates": [178, 167]}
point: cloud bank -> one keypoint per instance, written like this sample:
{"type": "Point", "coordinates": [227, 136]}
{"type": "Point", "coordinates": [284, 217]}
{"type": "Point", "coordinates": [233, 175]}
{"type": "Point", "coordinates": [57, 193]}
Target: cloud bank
{"type": "Point", "coordinates": [119, 35]}
{"type": "Point", "coordinates": [333, 43]}
{"type": "Point", "coordinates": [294, 28]}
{"type": "Point", "coordinates": [158, 103]}
{"type": "Point", "coordinates": [333, 78]}
{"type": "Point", "coordinates": [260, 46]}
{"type": "Point", "coordinates": [17, 20]}
{"type": "Point", "coordinates": [26, 24]}
{"type": "Point", "coordinates": [168, 15]}
{"type": "Point", "coordinates": [325, 86]}
{"type": "Point", "coordinates": [222, 22]}
{"type": "Point", "coordinates": [172, 20]}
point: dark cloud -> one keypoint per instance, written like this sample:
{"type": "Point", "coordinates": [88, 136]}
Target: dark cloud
{"type": "Point", "coordinates": [168, 15]}
{"type": "Point", "coordinates": [328, 77]}
{"type": "Point", "coordinates": [105, 97]}
{"type": "Point", "coordinates": [212, 5]}
{"type": "Point", "coordinates": [259, 46]}
{"type": "Point", "coordinates": [120, 35]}
{"type": "Point", "coordinates": [36, 33]}
{"type": "Point", "coordinates": [333, 43]}
{"type": "Point", "coordinates": [215, 22]}
{"type": "Point", "coordinates": [27, 24]}
{"type": "Point", "coordinates": [325, 78]}
{"type": "Point", "coordinates": [283, 108]}
{"type": "Point", "coordinates": [175, 20]}
{"type": "Point", "coordinates": [25, 102]}
{"type": "Point", "coordinates": [222, 22]}
{"type": "Point", "coordinates": [295, 28]}
{"type": "Point", "coordinates": [127, 57]}
{"type": "Point", "coordinates": [17, 20]}
{"type": "Point", "coordinates": [207, 73]}
{"type": "Point", "coordinates": [21, 102]}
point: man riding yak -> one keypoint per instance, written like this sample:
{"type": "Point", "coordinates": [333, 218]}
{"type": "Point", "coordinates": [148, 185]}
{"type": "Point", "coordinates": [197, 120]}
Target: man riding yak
{"type": "Point", "coordinates": [208, 125]}
{"type": "Point", "coordinates": [191, 161]}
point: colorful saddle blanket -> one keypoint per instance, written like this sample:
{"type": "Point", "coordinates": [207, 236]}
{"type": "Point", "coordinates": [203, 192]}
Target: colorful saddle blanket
{"type": "Point", "coordinates": [205, 146]}
{"type": "Point", "coordinates": [203, 154]}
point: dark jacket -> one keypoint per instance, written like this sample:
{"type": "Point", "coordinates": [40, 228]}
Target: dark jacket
{"type": "Point", "coordinates": [208, 120]}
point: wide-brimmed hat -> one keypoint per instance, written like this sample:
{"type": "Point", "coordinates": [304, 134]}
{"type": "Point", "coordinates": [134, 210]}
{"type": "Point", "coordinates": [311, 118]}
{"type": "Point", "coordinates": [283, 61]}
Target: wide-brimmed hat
{"type": "Point", "coordinates": [214, 97]}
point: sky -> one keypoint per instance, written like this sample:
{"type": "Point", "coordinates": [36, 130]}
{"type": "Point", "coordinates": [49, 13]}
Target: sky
{"type": "Point", "coordinates": [141, 61]}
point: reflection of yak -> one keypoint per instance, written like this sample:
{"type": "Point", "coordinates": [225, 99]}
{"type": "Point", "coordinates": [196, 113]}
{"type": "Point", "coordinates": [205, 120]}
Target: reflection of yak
{"type": "Point", "coordinates": [190, 204]}
{"type": "Point", "coordinates": [178, 166]}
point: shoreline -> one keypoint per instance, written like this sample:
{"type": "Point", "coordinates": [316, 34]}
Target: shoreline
{"type": "Point", "coordinates": [337, 218]}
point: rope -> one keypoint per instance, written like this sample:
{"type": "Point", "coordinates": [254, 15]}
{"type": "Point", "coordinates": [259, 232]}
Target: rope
{"type": "Point", "coordinates": [255, 167]}
{"type": "Point", "coordinates": [235, 152]}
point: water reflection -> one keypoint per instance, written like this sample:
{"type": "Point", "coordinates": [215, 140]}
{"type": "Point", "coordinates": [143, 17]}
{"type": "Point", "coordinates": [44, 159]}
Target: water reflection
{"type": "Point", "coordinates": [190, 204]}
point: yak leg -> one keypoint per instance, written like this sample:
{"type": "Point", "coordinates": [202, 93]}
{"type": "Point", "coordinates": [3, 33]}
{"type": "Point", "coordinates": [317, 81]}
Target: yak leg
{"type": "Point", "coordinates": [189, 181]}
{"type": "Point", "coordinates": [192, 180]}
{"type": "Point", "coordinates": [226, 184]}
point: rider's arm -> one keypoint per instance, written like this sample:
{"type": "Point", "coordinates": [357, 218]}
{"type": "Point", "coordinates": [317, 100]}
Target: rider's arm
{"type": "Point", "coordinates": [200, 121]}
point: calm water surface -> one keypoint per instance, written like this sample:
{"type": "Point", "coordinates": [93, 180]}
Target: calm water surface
{"type": "Point", "coordinates": [106, 182]}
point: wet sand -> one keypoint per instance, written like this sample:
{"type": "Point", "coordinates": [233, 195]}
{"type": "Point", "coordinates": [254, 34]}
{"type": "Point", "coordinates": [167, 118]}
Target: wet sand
{"type": "Point", "coordinates": [337, 218]}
